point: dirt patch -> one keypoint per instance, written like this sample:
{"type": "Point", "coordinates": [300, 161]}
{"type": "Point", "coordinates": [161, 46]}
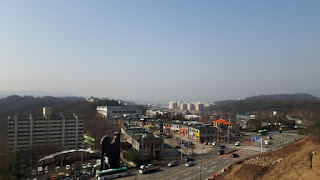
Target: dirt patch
{"type": "Point", "coordinates": [299, 160]}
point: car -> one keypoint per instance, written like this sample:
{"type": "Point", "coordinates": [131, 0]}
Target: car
{"type": "Point", "coordinates": [84, 166]}
{"type": "Point", "coordinates": [237, 143]}
{"type": "Point", "coordinates": [168, 136]}
{"type": "Point", "coordinates": [89, 165]}
{"type": "Point", "coordinates": [205, 143]}
{"type": "Point", "coordinates": [214, 143]}
{"type": "Point", "coordinates": [220, 152]}
{"type": "Point", "coordinates": [83, 177]}
{"type": "Point", "coordinates": [181, 153]}
{"type": "Point", "coordinates": [234, 155]}
{"type": "Point", "coordinates": [177, 147]}
{"type": "Point", "coordinates": [269, 137]}
{"type": "Point", "coordinates": [172, 163]}
{"type": "Point", "coordinates": [209, 143]}
{"type": "Point", "coordinates": [68, 167]}
{"type": "Point", "coordinates": [189, 163]}
{"type": "Point", "coordinates": [188, 159]}
{"type": "Point", "coordinates": [222, 147]}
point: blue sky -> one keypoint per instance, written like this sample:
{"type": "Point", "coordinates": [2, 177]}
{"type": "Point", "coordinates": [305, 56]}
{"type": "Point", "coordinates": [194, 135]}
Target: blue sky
{"type": "Point", "coordinates": [160, 50]}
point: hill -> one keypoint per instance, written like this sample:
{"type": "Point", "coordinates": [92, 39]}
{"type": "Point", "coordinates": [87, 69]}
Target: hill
{"type": "Point", "coordinates": [285, 103]}
{"type": "Point", "coordinates": [299, 160]}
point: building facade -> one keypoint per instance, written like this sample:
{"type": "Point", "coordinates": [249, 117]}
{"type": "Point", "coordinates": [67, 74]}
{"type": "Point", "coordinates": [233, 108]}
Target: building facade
{"type": "Point", "coordinates": [120, 111]}
{"type": "Point", "coordinates": [24, 132]}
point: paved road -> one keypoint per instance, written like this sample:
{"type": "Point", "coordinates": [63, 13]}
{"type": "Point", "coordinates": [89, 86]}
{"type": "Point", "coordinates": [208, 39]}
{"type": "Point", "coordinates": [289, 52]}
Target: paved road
{"type": "Point", "coordinates": [213, 163]}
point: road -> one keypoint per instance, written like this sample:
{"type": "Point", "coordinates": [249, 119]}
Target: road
{"type": "Point", "coordinates": [213, 163]}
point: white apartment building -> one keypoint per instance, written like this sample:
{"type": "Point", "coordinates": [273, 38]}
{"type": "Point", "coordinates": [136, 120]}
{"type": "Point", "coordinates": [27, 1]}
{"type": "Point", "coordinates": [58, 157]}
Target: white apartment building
{"type": "Point", "coordinates": [120, 111]}
{"type": "Point", "coordinates": [191, 106]}
{"type": "Point", "coordinates": [199, 106]}
{"type": "Point", "coordinates": [26, 131]}
{"type": "Point", "coordinates": [173, 105]}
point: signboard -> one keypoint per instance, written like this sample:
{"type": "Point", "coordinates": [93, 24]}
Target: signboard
{"type": "Point", "coordinates": [256, 139]}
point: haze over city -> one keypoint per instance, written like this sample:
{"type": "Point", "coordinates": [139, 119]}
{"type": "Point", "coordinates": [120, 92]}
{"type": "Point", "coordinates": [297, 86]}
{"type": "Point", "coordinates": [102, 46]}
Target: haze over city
{"type": "Point", "coordinates": [160, 50]}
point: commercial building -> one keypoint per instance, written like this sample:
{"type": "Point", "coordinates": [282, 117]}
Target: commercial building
{"type": "Point", "coordinates": [173, 105]}
{"type": "Point", "coordinates": [26, 131]}
{"type": "Point", "coordinates": [191, 106]}
{"type": "Point", "coordinates": [142, 140]}
{"type": "Point", "coordinates": [120, 111]}
{"type": "Point", "coordinates": [199, 106]}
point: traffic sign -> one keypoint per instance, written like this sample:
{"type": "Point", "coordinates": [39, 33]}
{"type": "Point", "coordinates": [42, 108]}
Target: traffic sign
{"type": "Point", "coordinates": [256, 139]}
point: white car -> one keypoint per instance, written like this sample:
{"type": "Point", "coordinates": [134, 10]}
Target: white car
{"type": "Point", "coordinates": [189, 163]}
{"type": "Point", "coordinates": [84, 166]}
{"type": "Point", "coordinates": [68, 167]}
{"type": "Point", "coordinates": [89, 165]}
{"type": "Point", "coordinates": [172, 163]}
{"type": "Point", "coordinates": [214, 143]}
{"type": "Point", "coordinates": [237, 143]}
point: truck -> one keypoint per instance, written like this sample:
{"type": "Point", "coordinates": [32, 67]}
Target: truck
{"type": "Point", "coordinates": [148, 168]}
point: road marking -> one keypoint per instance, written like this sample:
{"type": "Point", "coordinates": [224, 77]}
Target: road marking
{"type": "Point", "coordinates": [204, 168]}
{"type": "Point", "coordinates": [210, 170]}
{"type": "Point", "coordinates": [187, 178]}
{"type": "Point", "coordinates": [160, 175]}
{"type": "Point", "coordinates": [214, 162]}
{"type": "Point", "coordinates": [176, 170]}
{"type": "Point", "coordinates": [175, 178]}
{"type": "Point", "coordinates": [187, 173]}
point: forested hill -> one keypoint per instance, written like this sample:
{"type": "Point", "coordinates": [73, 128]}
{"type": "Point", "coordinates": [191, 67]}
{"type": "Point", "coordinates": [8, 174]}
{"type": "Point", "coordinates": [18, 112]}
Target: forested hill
{"type": "Point", "coordinates": [280, 102]}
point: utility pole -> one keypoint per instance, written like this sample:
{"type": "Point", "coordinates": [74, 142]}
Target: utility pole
{"type": "Point", "coordinates": [261, 144]}
{"type": "Point", "coordinates": [181, 147]}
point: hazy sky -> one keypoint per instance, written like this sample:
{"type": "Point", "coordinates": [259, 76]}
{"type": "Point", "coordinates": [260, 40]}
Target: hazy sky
{"type": "Point", "coordinates": [160, 50]}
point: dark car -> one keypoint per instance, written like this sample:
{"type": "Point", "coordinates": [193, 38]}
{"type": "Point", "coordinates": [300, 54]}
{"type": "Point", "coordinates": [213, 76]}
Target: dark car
{"type": "Point", "coordinates": [221, 152]}
{"type": "Point", "coordinates": [222, 147]}
{"type": "Point", "coordinates": [168, 136]}
{"type": "Point", "coordinates": [234, 155]}
{"type": "Point", "coordinates": [188, 159]}
{"type": "Point", "coordinates": [177, 147]}
{"type": "Point", "coordinates": [181, 153]}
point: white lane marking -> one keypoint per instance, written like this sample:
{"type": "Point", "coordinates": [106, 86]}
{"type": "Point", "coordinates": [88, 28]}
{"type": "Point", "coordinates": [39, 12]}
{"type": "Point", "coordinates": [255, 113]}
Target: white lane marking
{"type": "Point", "coordinates": [204, 168]}
{"type": "Point", "coordinates": [176, 170]}
{"type": "Point", "coordinates": [210, 170]}
{"type": "Point", "coordinates": [187, 178]}
{"type": "Point", "coordinates": [175, 178]}
{"type": "Point", "coordinates": [214, 162]}
{"type": "Point", "coordinates": [187, 173]}
{"type": "Point", "coordinates": [198, 167]}
{"type": "Point", "coordinates": [160, 175]}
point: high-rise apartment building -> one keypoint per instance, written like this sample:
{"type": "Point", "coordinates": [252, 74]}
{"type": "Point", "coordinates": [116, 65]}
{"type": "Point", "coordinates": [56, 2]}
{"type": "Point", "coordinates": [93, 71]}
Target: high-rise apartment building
{"type": "Point", "coordinates": [26, 131]}
{"type": "Point", "coordinates": [199, 106]}
{"type": "Point", "coordinates": [191, 106]}
{"type": "Point", "coordinates": [183, 106]}
{"type": "Point", "coordinates": [173, 105]}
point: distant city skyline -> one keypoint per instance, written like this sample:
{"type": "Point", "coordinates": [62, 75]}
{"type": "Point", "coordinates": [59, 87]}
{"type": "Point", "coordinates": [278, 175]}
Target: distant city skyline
{"type": "Point", "coordinates": [160, 50]}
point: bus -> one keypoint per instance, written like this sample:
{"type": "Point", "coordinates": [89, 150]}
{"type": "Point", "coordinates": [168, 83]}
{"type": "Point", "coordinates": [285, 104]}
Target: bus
{"type": "Point", "coordinates": [112, 173]}
{"type": "Point", "coordinates": [262, 132]}
{"type": "Point", "coordinates": [283, 128]}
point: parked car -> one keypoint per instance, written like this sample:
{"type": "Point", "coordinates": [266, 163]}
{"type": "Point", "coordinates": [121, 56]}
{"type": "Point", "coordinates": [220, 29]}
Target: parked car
{"type": "Point", "coordinates": [237, 143]}
{"type": "Point", "coordinates": [169, 136]}
{"type": "Point", "coordinates": [220, 152]}
{"type": "Point", "coordinates": [222, 147]}
{"type": "Point", "coordinates": [269, 137]}
{"type": "Point", "coordinates": [189, 163]}
{"type": "Point", "coordinates": [209, 143]}
{"type": "Point", "coordinates": [68, 167]}
{"type": "Point", "coordinates": [188, 159]}
{"type": "Point", "coordinates": [172, 163]}
{"type": "Point", "coordinates": [181, 153]}
{"type": "Point", "coordinates": [89, 165]}
{"type": "Point", "coordinates": [177, 147]}
{"type": "Point", "coordinates": [84, 166]}
{"type": "Point", "coordinates": [234, 155]}
{"type": "Point", "coordinates": [214, 143]}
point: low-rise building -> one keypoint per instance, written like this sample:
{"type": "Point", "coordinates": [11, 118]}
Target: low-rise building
{"type": "Point", "coordinates": [142, 140]}
{"type": "Point", "coordinates": [120, 111]}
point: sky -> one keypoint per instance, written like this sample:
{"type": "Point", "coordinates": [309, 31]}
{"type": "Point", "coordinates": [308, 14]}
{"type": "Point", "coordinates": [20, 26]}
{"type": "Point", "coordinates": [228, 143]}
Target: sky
{"type": "Point", "coordinates": [160, 50]}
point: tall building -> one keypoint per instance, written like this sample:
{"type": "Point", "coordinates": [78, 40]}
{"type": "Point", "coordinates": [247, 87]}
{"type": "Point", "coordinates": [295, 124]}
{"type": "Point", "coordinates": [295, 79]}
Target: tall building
{"type": "Point", "coordinates": [199, 106]}
{"type": "Point", "coordinates": [191, 106]}
{"type": "Point", "coordinates": [26, 131]}
{"type": "Point", "coordinates": [183, 106]}
{"type": "Point", "coordinates": [173, 105]}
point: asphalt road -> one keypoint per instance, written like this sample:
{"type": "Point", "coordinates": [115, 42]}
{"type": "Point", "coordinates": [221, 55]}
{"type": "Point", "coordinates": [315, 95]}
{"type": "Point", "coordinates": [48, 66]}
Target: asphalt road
{"type": "Point", "coordinates": [213, 163]}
